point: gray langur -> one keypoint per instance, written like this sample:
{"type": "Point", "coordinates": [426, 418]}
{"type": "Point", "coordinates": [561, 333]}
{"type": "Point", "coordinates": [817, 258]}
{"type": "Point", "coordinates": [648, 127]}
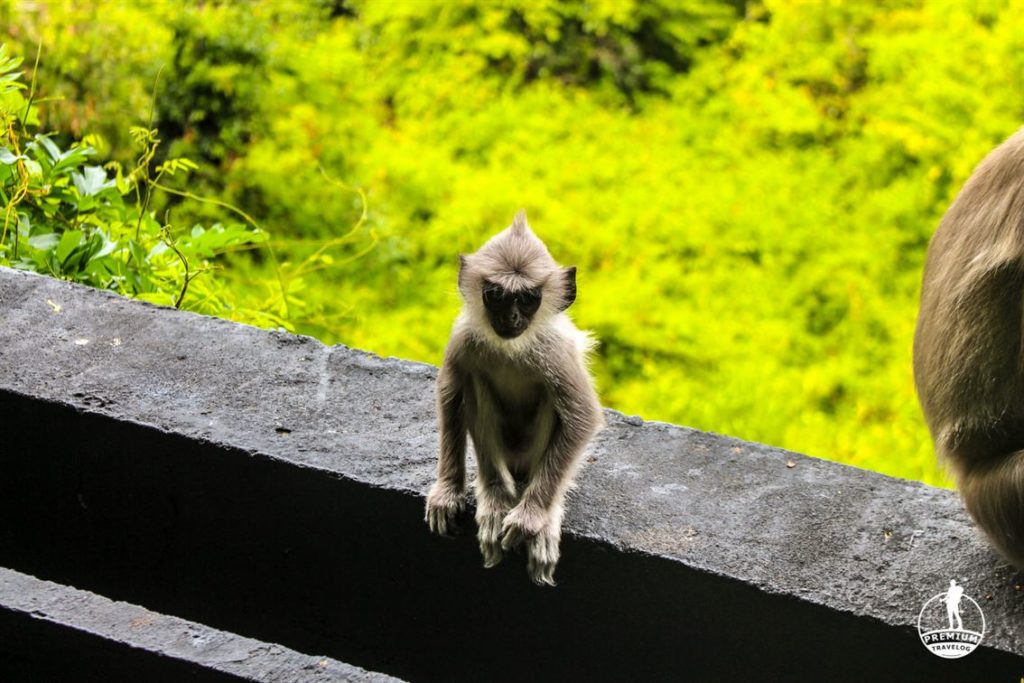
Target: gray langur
{"type": "Point", "coordinates": [969, 345]}
{"type": "Point", "coordinates": [514, 378]}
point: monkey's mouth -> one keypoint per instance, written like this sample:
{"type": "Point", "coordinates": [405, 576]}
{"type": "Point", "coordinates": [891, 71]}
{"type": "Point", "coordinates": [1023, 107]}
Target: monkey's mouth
{"type": "Point", "coordinates": [508, 329]}
{"type": "Point", "coordinates": [509, 332]}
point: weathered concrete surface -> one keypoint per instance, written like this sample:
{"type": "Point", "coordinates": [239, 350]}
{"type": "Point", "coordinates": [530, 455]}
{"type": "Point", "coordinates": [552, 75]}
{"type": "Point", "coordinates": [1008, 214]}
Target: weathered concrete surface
{"type": "Point", "coordinates": [190, 651]}
{"type": "Point", "coordinates": [857, 543]}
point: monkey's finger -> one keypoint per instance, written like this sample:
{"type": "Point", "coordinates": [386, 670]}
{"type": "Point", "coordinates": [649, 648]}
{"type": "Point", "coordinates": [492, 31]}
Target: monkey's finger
{"type": "Point", "coordinates": [542, 552]}
{"type": "Point", "coordinates": [512, 538]}
{"type": "Point", "coordinates": [541, 573]}
{"type": "Point", "coordinates": [549, 575]}
{"type": "Point", "coordinates": [492, 554]}
{"type": "Point", "coordinates": [444, 522]}
{"type": "Point", "coordinates": [438, 521]}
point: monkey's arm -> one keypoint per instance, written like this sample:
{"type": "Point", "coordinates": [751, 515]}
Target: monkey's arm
{"type": "Point", "coordinates": [451, 461]}
{"type": "Point", "coordinates": [445, 499]}
{"type": "Point", "coordinates": [578, 418]}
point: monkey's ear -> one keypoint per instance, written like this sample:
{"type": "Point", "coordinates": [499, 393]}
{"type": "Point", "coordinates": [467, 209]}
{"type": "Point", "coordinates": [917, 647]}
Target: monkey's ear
{"type": "Point", "coordinates": [519, 224]}
{"type": "Point", "coordinates": [462, 270]}
{"type": "Point", "coordinates": [568, 287]}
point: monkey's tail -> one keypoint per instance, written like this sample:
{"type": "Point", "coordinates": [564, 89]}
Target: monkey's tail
{"type": "Point", "coordinates": [993, 491]}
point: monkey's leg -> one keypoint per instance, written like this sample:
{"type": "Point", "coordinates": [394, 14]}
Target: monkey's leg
{"type": "Point", "coordinates": [524, 522]}
{"type": "Point", "coordinates": [537, 516]}
{"type": "Point", "coordinates": [495, 496]}
{"type": "Point", "coordinates": [542, 550]}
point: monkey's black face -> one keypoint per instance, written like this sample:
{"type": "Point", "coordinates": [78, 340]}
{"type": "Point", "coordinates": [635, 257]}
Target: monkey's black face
{"type": "Point", "coordinates": [510, 312]}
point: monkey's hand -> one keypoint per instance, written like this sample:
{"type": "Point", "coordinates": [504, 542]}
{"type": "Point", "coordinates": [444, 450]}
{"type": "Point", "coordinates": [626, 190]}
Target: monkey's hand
{"type": "Point", "coordinates": [444, 503]}
{"type": "Point", "coordinates": [521, 524]}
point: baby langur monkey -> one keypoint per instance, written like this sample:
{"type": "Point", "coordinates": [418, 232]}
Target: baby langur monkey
{"type": "Point", "coordinates": [514, 378]}
{"type": "Point", "coordinates": [969, 345]}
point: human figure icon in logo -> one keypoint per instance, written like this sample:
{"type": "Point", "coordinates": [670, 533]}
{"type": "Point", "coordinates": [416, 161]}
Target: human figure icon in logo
{"type": "Point", "coordinates": [952, 600]}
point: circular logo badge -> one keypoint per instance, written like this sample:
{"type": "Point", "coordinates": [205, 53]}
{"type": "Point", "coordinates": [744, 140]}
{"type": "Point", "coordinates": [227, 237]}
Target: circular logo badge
{"type": "Point", "coordinates": [951, 624]}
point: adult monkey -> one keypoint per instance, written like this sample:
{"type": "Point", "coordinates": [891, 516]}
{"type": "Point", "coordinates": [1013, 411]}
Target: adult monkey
{"type": "Point", "coordinates": [514, 378]}
{"type": "Point", "coordinates": [969, 345]}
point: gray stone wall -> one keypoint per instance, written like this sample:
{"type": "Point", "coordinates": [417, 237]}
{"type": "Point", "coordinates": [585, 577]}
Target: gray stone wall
{"type": "Point", "coordinates": [685, 552]}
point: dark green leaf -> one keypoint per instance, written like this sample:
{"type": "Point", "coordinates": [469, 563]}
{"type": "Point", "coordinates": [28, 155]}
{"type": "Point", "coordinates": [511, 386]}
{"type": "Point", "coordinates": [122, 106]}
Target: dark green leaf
{"type": "Point", "coordinates": [68, 241]}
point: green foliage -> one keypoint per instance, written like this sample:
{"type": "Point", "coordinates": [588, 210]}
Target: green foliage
{"type": "Point", "coordinates": [631, 46]}
{"type": "Point", "coordinates": [82, 43]}
{"type": "Point", "coordinates": [217, 77]}
{"type": "Point", "coordinates": [748, 189]}
{"type": "Point", "coordinates": [73, 220]}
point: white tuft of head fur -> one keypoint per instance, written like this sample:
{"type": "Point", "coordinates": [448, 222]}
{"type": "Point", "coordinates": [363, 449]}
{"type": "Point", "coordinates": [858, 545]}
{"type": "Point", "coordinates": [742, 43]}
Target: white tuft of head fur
{"type": "Point", "coordinates": [519, 224]}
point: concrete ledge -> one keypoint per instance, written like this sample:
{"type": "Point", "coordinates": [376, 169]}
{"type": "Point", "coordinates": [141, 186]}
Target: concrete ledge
{"type": "Point", "coordinates": [270, 486]}
{"type": "Point", "coordinates": [53, 632]}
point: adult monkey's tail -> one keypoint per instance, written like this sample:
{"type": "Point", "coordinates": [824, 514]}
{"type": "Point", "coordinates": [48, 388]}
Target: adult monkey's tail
{"type": "Point", "coordinates": [969, 345]}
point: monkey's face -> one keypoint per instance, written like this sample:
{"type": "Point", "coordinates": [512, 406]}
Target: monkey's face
{"type": "Point", "coordinates": [510, 311]}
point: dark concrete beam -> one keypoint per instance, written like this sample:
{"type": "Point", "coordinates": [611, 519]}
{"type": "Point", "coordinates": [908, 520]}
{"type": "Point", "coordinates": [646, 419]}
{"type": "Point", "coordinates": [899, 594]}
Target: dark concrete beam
{"type": "Point", "coordinates": [53, 632]}
{"type": "Point", "coordinates": [226, 457]}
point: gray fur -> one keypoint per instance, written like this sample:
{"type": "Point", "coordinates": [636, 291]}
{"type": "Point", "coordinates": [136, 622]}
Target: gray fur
{"type": "Point", "coordinates": [968, 351]}
{"type": "Point", "coordinates": [527, 403]}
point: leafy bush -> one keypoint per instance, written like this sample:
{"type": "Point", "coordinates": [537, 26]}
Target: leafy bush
{"type": "Point", "coordinates": [78, 221]}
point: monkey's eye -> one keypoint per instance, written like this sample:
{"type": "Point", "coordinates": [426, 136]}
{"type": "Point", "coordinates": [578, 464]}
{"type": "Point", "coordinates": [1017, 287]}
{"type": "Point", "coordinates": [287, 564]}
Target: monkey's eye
{"type": "Point", "coordinates": [528, 301]}
{"type": "Point", "coordinates": [492, 295]}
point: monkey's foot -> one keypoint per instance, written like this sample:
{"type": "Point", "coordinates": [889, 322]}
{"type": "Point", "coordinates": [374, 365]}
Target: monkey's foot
{"type": "Point", "coordinates": [489, 535]}
{"type": "Point", "coordinates": [521, 525]}
{"type": "Point", "coordinates": [542, 556]}
{"type": "Point", "coordinates": [444, 503]}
